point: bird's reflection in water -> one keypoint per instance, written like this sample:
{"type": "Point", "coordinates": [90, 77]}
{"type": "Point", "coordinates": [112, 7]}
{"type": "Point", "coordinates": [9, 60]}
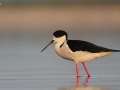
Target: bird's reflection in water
{"type": "Point", "coordinates": [84, 86]}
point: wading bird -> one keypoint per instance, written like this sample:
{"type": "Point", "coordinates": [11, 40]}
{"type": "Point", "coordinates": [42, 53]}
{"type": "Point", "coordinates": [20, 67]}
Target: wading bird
{"type": "Point", "coordinates": [77, 50]}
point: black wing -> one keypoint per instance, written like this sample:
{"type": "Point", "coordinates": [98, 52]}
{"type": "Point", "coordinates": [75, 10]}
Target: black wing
{"type": "Point", "coordinates": [79, 45]}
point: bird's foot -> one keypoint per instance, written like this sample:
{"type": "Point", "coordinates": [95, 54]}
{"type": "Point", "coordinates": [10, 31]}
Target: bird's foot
{"type": "Point", "coordinates": [78, 75]}
{"type": "Point", "coordinates": [89, 76]}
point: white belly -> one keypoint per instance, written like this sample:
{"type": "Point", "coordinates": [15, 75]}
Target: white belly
{"type": "Point", "coordinates": [84, 56]}
{"type": "Point", "coordinates": [78, 56]}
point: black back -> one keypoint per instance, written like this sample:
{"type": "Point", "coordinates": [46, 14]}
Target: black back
{"type": "Point", "coordinates": [79, 45]}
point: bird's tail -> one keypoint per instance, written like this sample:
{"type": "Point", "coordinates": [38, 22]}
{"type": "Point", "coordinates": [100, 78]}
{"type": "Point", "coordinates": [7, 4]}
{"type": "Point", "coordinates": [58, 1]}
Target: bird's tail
{"type": "Point", "coordinates": [116, 50]}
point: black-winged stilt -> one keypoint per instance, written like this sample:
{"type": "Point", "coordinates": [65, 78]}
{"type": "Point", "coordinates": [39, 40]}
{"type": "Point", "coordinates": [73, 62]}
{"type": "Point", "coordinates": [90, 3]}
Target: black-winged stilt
{"type": "Point", "coordinates": [77, 50]}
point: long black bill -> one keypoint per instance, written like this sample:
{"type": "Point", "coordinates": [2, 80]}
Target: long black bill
{"type": "Point", "coordinates": [48, 45]}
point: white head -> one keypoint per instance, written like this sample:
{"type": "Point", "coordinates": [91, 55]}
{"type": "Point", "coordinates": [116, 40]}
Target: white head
{"type": "Point", "coordinates": [59, 36]}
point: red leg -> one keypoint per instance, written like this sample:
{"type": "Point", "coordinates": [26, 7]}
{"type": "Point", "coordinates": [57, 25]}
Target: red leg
{"type": "Point", "coordinates": [86, 69]}
{"type": "Point", "coordinates": [77, 70]}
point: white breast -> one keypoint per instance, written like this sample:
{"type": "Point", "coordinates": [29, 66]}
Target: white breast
{"type": "Point", "coordinates": [64, 51]}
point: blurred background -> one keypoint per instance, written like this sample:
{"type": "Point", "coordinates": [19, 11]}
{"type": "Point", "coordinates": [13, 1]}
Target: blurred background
{"type": "Point", "coordinates": [26, 27]}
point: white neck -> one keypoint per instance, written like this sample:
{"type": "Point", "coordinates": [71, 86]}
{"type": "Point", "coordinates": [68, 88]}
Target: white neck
{"type": "Point", "coordinates": [59, 40]}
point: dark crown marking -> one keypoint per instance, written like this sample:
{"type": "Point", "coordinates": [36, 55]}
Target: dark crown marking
{"type": "Point", "coordinates": [60, 33]}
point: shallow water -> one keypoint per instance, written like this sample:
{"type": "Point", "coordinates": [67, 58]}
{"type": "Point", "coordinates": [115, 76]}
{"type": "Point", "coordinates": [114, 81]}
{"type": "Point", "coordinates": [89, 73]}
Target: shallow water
{"type": "Point", "coordinates": [23, 66]}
